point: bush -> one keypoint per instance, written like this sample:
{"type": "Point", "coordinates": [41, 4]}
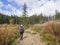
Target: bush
{"type": "Point", "coordinates": [8, 33]}
{"type": "Point", "coordinates": [49, 31]}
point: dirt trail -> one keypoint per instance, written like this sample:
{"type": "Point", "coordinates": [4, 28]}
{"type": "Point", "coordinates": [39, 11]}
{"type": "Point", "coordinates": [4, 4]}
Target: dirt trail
{"type": "Point", "coordinates": [30, 38]}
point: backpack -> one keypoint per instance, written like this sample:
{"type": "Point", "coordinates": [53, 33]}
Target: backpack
{"type": "Point", "coordinates": [21, 29]}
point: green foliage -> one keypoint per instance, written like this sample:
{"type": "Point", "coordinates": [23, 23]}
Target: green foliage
{"type": "Point", "coordinates": [24, 10]}
{"type": "Point", "coordinates": [57, 15]}
{"type": "Point", "coordinates": [25, 20]}
{"type": "Point", "coordinates": [11, 21]}
{"type": "Point", "coordinates": [4, 19]}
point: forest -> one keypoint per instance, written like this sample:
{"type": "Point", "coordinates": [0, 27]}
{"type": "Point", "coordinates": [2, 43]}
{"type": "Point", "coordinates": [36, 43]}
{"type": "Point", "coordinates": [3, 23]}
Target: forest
{"type": "Point", "coordinates": [34, 19]}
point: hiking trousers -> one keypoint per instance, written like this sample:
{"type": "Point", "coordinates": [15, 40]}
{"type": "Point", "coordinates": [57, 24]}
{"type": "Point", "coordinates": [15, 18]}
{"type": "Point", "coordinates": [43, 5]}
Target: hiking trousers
{"type": "Point", "coordinates": [21, 35]}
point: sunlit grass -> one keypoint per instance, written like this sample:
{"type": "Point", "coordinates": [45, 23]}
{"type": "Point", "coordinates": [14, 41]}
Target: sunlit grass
{"type": "Point", "coordinates": [50, 32]}
{"type": "Point", "coordinates": [8, 33]}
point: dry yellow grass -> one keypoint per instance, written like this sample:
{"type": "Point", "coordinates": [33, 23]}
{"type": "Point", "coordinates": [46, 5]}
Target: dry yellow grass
{"type": "Point", "coordinates": [8, 33]}
{"type": "Point", "coordinates": [50, 32]}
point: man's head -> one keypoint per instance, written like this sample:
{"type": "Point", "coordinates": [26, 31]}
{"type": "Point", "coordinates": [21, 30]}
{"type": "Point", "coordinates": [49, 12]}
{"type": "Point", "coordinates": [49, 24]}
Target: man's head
{"type": "Point", "coordinates": [21, 25]}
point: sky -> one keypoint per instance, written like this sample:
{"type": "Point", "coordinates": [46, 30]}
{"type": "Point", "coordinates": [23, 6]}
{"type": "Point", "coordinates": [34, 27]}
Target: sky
{"type": "Point", "coordinates": [15, 7]}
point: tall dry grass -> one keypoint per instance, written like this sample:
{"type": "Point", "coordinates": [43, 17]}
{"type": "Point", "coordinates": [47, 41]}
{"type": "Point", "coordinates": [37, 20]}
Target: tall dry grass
{"type": "Point", "coordinates": [50, 32]}
{"type": "Point", "coordinates": [8, 33]}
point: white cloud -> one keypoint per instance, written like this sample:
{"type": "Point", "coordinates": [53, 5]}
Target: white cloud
{"type": "Point", "coordinates": [46, 7]}
{"type": "Point", "coordinates": [5, 12]}
{"type": "Point", "coordinates": [1, 4]}
{"type": "Point", "coordinates": [8, 6]}
{"type": "Point", "coordinates": [13, 12]}
{"type": "Point", "coordinates": [18, 12]}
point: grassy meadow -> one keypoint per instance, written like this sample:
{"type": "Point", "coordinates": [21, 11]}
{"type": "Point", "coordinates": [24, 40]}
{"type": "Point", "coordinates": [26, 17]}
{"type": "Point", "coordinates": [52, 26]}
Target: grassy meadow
{"type": "Point", "coordinates": [49, 32]}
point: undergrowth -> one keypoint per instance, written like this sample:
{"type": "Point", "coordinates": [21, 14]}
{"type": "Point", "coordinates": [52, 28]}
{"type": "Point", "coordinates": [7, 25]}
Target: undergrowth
{"type": "Point", "coordinates": [50, 32]}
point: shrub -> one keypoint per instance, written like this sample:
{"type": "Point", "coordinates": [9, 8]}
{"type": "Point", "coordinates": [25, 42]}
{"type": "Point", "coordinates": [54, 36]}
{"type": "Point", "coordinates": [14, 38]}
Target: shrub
{"type": "Point", "coordinates": [8, 33]}
{"type": "Point", "coordinates": [50, 32]}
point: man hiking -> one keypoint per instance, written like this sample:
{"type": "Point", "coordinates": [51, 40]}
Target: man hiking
{"type": "Point", "coordinates": [21, 28]}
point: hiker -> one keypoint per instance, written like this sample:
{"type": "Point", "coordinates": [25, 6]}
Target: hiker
{"type": "Point", "coordinates": [21, 28]}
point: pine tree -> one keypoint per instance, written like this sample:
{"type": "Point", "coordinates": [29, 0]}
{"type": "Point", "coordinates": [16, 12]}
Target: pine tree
{"type": "Point", "coordinates": [57, 15]}
{"type": "Point", "coordinates": [24, 10]}
{"type": "Point", "coordinates": [24, 14]}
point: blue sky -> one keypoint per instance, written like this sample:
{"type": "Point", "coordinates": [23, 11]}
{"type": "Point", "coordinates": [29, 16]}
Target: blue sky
{"type": "Point", "coordinates": [14, 7]}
